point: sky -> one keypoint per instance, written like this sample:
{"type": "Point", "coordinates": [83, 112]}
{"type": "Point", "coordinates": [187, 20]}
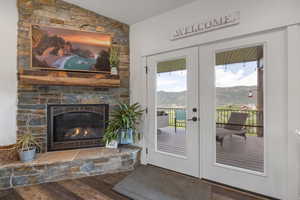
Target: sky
{"type": "Point", "coordinates": [81, 37]}
{"type": "Point", "coordinates": [172, 81]}
{"type": "Point", "coordinates": [240, 74]}
{"type": "Point", "coordinates": [92, 41]}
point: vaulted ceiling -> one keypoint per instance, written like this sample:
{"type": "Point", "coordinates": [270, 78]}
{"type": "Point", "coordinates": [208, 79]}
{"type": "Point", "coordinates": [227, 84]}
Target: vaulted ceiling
{"type": "Point", "coordinates": [130, 11]}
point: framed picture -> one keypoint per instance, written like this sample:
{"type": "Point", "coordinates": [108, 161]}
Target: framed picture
{"type": "Point", "coordinates": [65, 49]}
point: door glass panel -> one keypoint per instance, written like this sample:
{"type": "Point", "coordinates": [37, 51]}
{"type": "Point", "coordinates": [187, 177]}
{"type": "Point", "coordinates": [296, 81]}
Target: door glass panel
{"type": "Point", "coordinates": [239, 108]}
{"type": "Point", "coordinates": [171, 88]}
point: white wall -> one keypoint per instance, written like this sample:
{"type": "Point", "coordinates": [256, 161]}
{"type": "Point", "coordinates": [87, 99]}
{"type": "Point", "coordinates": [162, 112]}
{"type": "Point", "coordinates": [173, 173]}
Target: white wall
{"type": "Point", "coordinates": [8, 73]}
{"type": "Point", "coordinates": [293, 49]}
{"type": "Point", "coordinates": [152, 36]}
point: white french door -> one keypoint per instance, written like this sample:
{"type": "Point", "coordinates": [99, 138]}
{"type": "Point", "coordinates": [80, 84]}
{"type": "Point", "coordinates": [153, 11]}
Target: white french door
{"type": "Point", "coordinates": [243, 119]}
{"type": "Point", "coordinates": [219, 112]}
{"type": "Point", "coordinates": [173, 140]}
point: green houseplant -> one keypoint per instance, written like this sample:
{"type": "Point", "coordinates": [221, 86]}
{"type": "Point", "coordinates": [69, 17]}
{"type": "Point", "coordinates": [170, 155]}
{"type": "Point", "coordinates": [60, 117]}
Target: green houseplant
{"type": "Point", "coordinates": [114, 59]}
{"type": "Point", "coordinates": [123, 125]}
{"type": "Point", "coordinates": [27, 145]}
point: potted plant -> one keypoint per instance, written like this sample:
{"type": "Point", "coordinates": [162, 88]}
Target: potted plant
{"type": "Point", "coordinates": [123, 125]}
{"type": "Point", "coordinates": [114, 60]}
{"type": "Point", "coordinates": [27, 145]}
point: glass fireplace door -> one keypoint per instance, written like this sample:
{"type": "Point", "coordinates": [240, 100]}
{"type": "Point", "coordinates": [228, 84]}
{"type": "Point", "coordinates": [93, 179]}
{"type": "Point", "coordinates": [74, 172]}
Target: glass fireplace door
{"type": "Point", "coordinates": [72, 126]}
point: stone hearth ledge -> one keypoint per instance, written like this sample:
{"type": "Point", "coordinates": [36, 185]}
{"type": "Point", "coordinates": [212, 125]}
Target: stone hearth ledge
{"type": "Point", "coordinates": [69, 164]}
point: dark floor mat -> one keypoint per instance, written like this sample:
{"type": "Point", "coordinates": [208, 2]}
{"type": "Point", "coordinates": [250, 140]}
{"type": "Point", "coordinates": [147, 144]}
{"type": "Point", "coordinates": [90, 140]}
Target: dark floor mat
{"type": "Point", "coordinates": [153, 183]}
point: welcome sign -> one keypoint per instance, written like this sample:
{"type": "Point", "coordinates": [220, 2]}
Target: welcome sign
{"type": "Point", "coordinates": [205, 26]}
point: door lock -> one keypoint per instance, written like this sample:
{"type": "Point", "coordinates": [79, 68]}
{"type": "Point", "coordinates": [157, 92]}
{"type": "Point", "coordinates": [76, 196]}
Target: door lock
{"type": "Point", "coordinates": [194, 119]}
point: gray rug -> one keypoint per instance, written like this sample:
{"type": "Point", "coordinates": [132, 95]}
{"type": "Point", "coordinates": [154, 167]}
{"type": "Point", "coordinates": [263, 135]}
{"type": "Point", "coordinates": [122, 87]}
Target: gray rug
{"type": "Point", "coordinates": [153, 183]}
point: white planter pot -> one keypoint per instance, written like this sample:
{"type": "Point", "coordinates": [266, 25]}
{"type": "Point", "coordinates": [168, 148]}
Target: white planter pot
{"type": "Point", "coordinates": [27, 156]}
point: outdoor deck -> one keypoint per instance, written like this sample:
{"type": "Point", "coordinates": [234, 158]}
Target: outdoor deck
{"type": "Point", "coordinates": [235, 152]}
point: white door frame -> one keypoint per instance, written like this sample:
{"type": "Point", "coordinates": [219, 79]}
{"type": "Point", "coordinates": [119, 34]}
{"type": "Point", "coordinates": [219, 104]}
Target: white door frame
{"type": "Point", "coordinates": [268, 183]}
{"type": "Point", "coordinates": [188, 164]}
{"type": "Point", "coordinates": [291, 190]}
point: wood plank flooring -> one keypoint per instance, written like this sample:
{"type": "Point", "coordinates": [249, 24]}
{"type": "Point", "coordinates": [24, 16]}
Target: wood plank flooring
{"type": "Point", "coordinates": [89, 188]}
{"type": "Point", "coordinates": [235, 151]}
{"type": "Point", "coordinates": [99, 188]}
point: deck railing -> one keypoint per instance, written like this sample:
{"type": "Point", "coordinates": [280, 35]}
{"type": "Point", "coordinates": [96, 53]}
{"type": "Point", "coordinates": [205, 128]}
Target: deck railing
{"type": "Point", "coordinates": [254, 122]}
{"type": "Point", "coordinates": [171, 113]}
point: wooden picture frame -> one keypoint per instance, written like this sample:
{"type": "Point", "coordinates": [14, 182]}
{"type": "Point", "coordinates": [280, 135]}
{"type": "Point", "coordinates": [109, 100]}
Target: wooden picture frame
{"type": "Point", "coordinates": [54, 48]}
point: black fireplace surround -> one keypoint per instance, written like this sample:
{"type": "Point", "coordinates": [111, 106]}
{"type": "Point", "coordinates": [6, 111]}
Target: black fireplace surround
{"type": "Point", "coordinates": [72, 126]}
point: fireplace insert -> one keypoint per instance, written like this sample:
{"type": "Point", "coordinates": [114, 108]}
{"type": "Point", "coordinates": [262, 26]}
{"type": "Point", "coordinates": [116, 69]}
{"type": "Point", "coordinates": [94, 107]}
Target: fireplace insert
{"type": "Point", "coordinates": [76, 125]}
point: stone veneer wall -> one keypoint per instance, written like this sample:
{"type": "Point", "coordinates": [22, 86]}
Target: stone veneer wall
{"type": "Point", "coordinates": [32, 100]}
{"type": "Point", "coordinates": [60, 167]}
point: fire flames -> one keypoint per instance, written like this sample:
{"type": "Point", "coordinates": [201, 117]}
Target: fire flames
{"type": "Point", "coordinates": [78, 132]}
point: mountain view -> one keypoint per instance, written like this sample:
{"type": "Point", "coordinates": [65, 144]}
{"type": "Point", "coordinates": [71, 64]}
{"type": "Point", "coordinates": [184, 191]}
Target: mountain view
{"type": "Point", "coordinates": [225, 96]}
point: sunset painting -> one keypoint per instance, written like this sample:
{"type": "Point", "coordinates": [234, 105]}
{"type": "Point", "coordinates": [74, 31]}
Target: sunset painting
{"type": "Point", "coordinates": [63, 49]}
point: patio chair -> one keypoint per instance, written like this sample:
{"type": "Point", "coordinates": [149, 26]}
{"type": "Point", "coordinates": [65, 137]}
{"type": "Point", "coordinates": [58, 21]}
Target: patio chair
{"type": "Point", "coordinates": [180, 115]}
{"type": "Point", "coordinates": [235, 126]}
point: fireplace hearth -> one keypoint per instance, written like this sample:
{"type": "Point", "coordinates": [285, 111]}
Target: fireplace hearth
{"type": "Point", "coordinates": [76, 126]}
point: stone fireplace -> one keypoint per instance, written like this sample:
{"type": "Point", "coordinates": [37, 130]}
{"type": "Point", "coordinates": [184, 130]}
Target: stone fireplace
{"type": "Point", "coordinates": [66, 115]}
{"type": "Point", "coordinates": [34, 99]}
{"type": "Point", "coordinates": [76, 126]}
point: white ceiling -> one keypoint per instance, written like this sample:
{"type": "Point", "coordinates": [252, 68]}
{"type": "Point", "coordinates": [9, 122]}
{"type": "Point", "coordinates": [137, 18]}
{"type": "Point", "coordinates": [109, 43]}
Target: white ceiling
{"type": "Point", "coordinates": [130, 11]}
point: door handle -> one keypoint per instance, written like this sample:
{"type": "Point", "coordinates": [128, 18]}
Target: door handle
{"type": "Point", "coordinates": [194, 119]}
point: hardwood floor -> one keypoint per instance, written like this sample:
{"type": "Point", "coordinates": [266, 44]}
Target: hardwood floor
{"type": "Point", "coordinates": [89, 188]}
{"type": "Point", "coordinates": [99, 188]}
